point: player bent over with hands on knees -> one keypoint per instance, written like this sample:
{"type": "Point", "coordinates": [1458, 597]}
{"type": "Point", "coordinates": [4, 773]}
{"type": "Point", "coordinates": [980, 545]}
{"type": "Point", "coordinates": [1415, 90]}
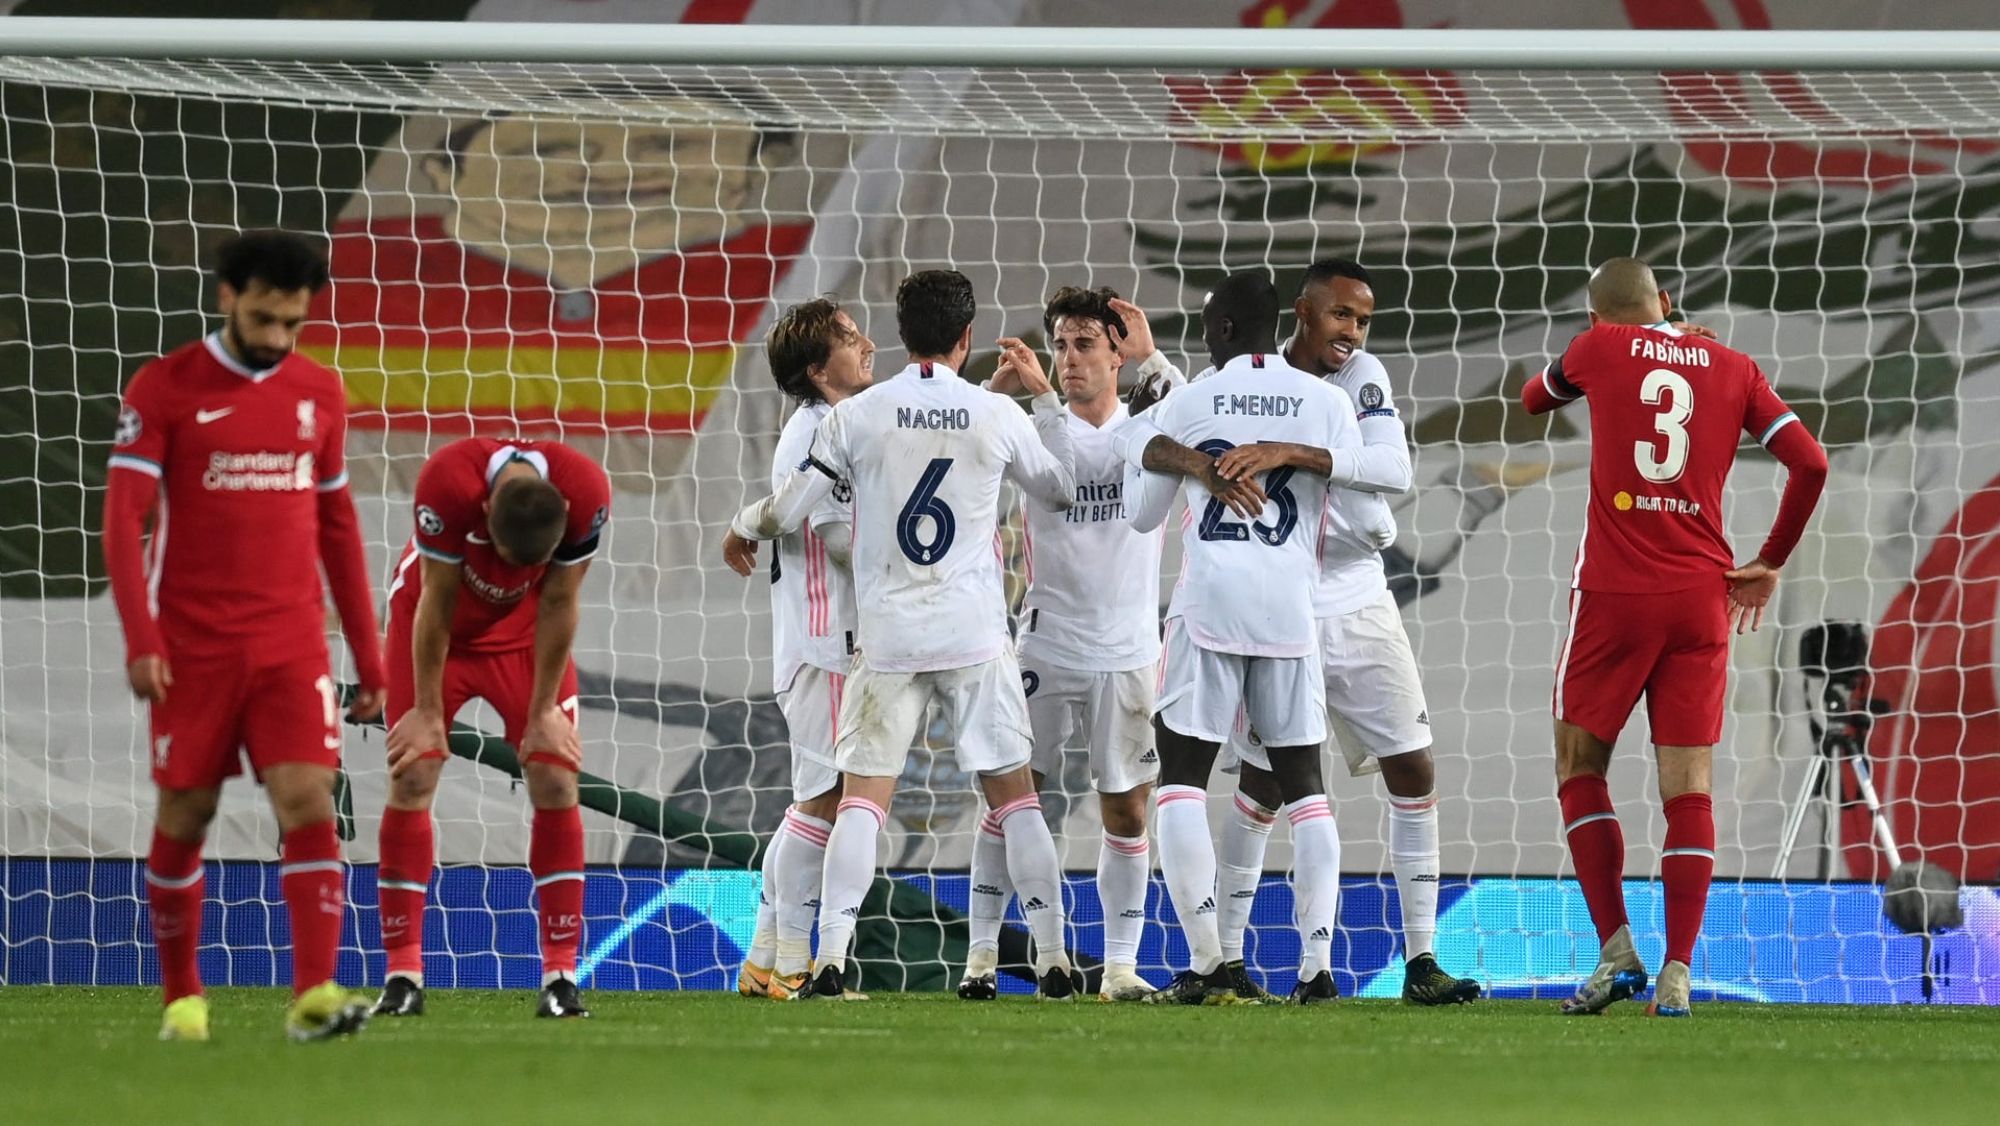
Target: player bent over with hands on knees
{"type": "Point", "coordinates": [1240, 635]}
{"type": "Point", "coordinates": [820, 358]}
{"type": "Point", "coordinates": [234, 445]}
{"type": "Point", "coordinates": [1089, 633]}
{"type": "Point", "coordinates": [926, 454]}
{"type": "Point", "coordinates": [484, 604]}
{"type": "Point", "coordinates": [1653, 595]}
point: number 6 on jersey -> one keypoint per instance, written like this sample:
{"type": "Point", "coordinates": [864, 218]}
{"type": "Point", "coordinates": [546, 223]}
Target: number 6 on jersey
{"type": "Point", "coordinates": [923, 502]}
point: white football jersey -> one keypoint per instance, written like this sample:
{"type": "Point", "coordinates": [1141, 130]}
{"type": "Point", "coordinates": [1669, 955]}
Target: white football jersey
{"type": "Point", "coordinates": [1359, 522]}
{"type": "Point", "coordinates": [1093, 580]}
{"type": "Point", "coordinates": [1247, 587]}
{"type": "Point", "coordinates": [812, 597]}
{"type": "Point", "coordinates": [927, 454]}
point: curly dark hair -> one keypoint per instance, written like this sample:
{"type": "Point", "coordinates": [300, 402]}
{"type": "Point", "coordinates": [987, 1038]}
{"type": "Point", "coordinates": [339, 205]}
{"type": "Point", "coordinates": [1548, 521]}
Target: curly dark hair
{"type": "Point", "coordinates": [1083, 304]}
{"type": "Point", "coordinates": [800, 340]}
{"type": "Point", "coordinates": [933, 308]}
{"type": "Point", "coordinates": [283, 260]}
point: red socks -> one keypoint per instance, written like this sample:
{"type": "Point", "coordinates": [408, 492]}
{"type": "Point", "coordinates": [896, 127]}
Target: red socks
{"type": "Point", "coordinates": [555, 856]}
{"type": "Point", "coordinates": [408, 854]}
{"type": "Point", "coordinates": [174, 893]}
{"type": "Point", "coordinates": [315, 884]}
{"type": "Point", "coordinates": [1596, 849]}
{"type": "Point", "coordinates": [1686, 866]}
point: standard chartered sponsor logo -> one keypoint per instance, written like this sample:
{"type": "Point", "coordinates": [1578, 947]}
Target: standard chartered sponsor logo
{"type": "Point", "coordinates": [260, 472]}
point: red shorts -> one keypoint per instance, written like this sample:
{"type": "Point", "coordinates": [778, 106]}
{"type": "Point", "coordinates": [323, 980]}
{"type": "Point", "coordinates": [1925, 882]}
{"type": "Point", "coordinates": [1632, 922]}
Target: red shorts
{"type": "Point", "coordinates": [219, 707]}
{"type": "Point", "coordinates": [505, 680]}
{"type": "Point", "coordinates": [1673, 647]}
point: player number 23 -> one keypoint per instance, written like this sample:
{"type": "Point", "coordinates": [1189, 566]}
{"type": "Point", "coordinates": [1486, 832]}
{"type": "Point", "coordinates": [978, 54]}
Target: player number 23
{"type": "Point", "coordinates": [1670, 386]}
{"type": "Point", "coordinates": [1276, 482]}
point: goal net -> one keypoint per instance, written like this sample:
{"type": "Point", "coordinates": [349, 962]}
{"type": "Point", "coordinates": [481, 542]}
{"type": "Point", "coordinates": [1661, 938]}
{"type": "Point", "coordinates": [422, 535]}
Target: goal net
{"type": "Point", "coordinates": [592, 252]}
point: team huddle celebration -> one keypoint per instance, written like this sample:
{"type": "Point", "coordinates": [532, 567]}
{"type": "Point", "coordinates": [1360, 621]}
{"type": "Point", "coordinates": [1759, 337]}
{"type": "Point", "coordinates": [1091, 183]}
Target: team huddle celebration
{"type": "Point", "coordinates": [1281, 641]}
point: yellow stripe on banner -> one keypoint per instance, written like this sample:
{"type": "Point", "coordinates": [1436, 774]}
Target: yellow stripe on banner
{"type": "Point", "coordinates": [629, 385]}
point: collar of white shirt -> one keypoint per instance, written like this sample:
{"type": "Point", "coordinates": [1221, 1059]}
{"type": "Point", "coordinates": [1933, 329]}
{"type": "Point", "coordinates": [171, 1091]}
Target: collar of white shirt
{"type": "Point", "coordinates": [925, 371]}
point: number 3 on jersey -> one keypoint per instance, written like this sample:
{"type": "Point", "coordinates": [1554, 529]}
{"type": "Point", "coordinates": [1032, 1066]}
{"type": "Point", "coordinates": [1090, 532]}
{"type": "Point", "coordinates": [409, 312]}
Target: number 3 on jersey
{"type": "Point", "coordinates": [1671, 422]}
{"type": "Point", "coordinates": [1214, 527]}
{"type": "Point", "coordinates": [924, 502]}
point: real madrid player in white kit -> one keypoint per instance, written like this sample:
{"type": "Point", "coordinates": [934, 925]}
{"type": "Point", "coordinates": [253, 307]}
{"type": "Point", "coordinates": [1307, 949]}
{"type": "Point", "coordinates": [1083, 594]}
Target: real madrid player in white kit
{"type": "Point", "coordinates": [927, 453]}
{"type": "Point", "coordinates": [1240, 632]}
{"type": "Point", "coordinates": [819, 357]}
{"type": "Point", "coordinates": [1374, 695]}
{"type": "Point", "coordinates": [1089, 638]}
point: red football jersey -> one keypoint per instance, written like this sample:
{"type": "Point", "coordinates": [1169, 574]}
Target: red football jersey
{"type": "Point", "coordinates": [494, 611]}
{"type": "Point", "coordinates": [1667, 411]}
{"type": "Point", "coordinates": [241, 456]}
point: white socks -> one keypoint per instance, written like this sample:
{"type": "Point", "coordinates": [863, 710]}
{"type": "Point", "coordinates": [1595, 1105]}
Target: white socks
{"type": "Point", "coordinates": [1413, 853]}
{"type": "Point", "coordinates": [792, 886]}
{"type": "Point", "coordinates": [764, 943]}
{"type": "Point", "coordinates": [1123, 865]}
{"type": "Point", "coordinates": [991, 887]}
{"type": "Point", "coordinates": [1246, 831]}
{"type": "Point", "coordinates": [1315, 881]}
{"type": "Point", "coordinates": [1187, 860]}
{"type": "Point", "coordinates": [850, 869]}
{"type": "Point", "coordinates": [1037, 876]}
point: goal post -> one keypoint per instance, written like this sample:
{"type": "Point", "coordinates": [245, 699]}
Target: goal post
{"type": "Point", "coordinates": [582, 231]}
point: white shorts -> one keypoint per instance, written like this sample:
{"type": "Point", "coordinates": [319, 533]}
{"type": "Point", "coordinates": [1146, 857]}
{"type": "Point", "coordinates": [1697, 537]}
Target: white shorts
{"type": "Point", "coordinates": [1201, 693]}
{"type": "Point", "coordinates": [1115, 711]}
{"type": "Point", "coordinates": [812, 715]}
{"type": "Point", "coordinates": [882, 712]}
{"type": "Point", "coordinates": [1374, 695]}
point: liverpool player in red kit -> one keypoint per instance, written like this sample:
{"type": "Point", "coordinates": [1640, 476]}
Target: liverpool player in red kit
{"type": "Point", "coordinates": [484, 604]}
{"type": "Point", "coordinates": [1654, 592]}
{"type": "Point", "coordinates": [233, 445]}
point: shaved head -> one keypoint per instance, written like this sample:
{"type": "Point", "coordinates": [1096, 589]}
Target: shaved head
{"type": "Point", "coordinates": [1624, 291]}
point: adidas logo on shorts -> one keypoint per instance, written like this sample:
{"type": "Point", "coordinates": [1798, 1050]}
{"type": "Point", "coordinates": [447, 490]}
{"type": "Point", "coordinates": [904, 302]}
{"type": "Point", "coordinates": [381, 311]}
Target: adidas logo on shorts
{"type": "Point", "coordinates": [1150, 756]}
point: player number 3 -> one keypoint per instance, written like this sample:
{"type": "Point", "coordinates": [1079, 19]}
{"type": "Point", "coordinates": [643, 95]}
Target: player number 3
{"type": "Point", "coordinates": [1671, 422]}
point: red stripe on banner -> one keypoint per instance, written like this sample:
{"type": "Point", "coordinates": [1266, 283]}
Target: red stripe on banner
{"type": "Point", "coordinates": [717, 11]}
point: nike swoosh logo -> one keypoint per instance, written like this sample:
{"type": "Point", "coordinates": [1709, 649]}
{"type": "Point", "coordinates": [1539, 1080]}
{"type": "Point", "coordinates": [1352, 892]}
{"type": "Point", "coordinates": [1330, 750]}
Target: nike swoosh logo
{"type": "Point", "coordinates": [206, 417]}
{"type": "Point", "coordinates": [561, 936]}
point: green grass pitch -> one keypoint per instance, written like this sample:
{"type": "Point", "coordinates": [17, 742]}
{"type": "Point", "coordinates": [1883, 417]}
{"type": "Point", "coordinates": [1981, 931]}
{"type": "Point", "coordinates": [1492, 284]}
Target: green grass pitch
{"type": "Point", "coordinates": [88, 1055]}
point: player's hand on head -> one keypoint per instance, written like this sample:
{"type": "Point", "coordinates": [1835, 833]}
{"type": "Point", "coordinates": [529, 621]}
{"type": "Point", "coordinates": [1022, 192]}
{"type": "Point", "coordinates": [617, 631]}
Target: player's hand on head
{"type": "Point", "coordinates": [415, 735]}
{"type": "Point", "coordinates": [150, 677]}
{"type": "Point", "coordinates": [1026, 367]}
{"type": "Point", "coordinates": [1689, 328]}
{"type": "Point", "coordinates": [739, 553]}
{"type": "Point", "coordinates": [1750, 589]}
{"type": "Point", "coordinates": [551, 734]}
{"type": "Point", "coordinates": [1244, 497]}
{"type": "Point", "coordinates": [367, 703]}
{"type": "Point", "coordinates": [1137, 342]}
{"type": "Point", "coordinates": [1252, 459]}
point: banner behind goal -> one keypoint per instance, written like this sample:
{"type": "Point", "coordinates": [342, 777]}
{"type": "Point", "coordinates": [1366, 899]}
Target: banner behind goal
{"type": "Point", "coordinates": [592, 251]}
